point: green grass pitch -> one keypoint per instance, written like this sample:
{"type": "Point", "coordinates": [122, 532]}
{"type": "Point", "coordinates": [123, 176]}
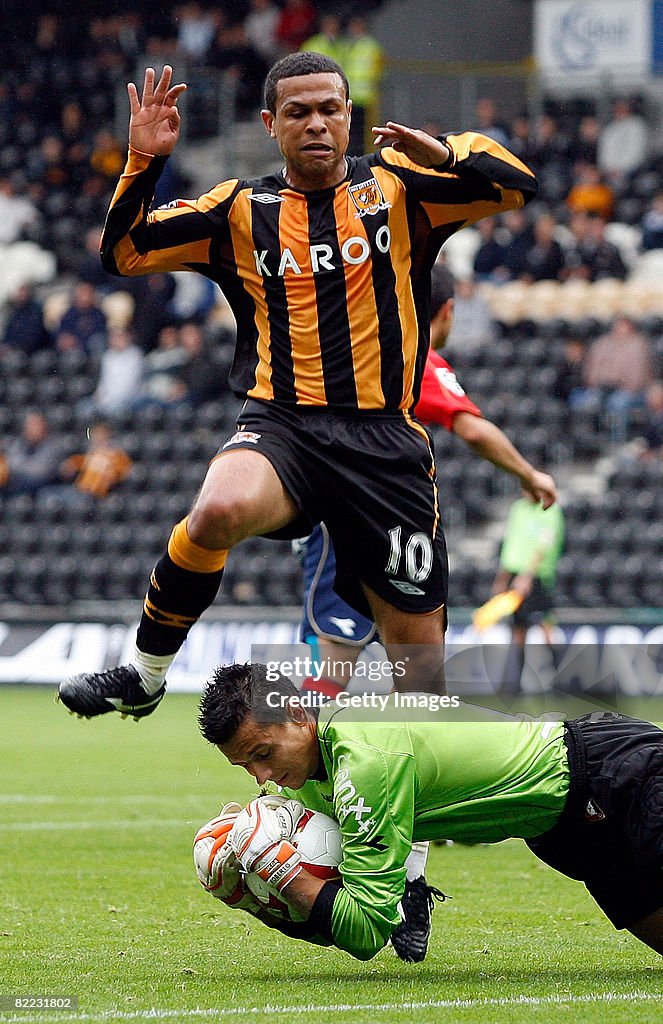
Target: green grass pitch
{"type": "Point", "coordinates": [99, 900]}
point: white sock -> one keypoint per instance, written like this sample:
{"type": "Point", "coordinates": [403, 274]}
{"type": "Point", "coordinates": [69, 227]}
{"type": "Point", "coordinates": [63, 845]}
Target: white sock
{"type": "Point", "coordinates": [415, 865]}
{"type": "Point", "coordinates": [152, 669]}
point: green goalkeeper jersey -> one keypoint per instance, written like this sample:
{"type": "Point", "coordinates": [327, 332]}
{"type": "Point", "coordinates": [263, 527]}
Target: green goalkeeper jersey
{"type": "Point", "coordinates": [466, 773]}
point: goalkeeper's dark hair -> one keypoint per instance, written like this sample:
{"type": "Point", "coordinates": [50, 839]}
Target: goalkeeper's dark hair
{"type": "Point", "coordinates": [236, 691]}
{"type": "Point", "coordinates": [302, 63]}
{"type": "Point", "coordinates": [442, 288]}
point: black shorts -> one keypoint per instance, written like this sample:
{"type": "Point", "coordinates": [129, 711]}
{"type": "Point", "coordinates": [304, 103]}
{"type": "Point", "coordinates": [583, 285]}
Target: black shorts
{"type": "Point", "coordinates": [610, 835]}
{"type": "Point", "coordinates": [537, 606]}
{"type": "Point", "coordinates": [370, 477]}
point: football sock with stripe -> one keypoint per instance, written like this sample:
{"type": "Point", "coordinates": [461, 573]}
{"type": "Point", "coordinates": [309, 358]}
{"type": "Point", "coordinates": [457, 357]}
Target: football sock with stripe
{"type": "Point", "coordinates": [184, 583]}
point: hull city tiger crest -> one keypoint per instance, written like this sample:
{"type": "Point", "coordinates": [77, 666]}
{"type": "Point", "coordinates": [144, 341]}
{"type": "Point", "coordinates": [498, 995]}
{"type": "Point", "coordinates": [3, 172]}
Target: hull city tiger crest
{"type": "Point", "coordinates": [368, 198]}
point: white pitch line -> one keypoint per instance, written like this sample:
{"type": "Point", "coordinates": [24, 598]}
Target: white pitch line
{"type": "Point", "coordinates": [299, 1010]}
{"type": "Point", "coordinates": [71, 826]}
{"type": "Point", "coordinates": [30, 798]}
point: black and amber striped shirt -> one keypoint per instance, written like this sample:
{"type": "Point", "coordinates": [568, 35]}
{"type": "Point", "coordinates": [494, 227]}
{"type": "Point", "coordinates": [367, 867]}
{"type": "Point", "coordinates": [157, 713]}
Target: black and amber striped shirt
{"type": "Point", "coordinates": [330, 289]}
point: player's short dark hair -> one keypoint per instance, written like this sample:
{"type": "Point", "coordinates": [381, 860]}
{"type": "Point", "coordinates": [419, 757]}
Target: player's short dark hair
{"type": "Point", "coordinates": [442, 288]}
{"type": "Point", "coordinates": [305, 62]}
{"type": "Point", "coordinates": [236, 691]}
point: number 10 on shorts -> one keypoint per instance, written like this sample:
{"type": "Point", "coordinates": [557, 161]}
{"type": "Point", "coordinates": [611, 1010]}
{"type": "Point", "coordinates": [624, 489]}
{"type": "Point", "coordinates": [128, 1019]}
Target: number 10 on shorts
{"type": "Point", "coordinates": [418, 552]}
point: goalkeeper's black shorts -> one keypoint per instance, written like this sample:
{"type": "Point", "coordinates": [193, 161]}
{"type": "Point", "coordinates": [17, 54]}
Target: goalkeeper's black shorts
{"type": "Point", "coordinates": [370, 477]}
{"type": "Point", "coordinates": [610, 835]}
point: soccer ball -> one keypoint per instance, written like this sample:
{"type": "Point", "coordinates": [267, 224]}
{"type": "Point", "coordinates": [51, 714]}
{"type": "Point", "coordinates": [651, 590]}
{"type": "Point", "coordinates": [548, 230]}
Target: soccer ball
{"type": "Point", "coordinates": [317, 838]}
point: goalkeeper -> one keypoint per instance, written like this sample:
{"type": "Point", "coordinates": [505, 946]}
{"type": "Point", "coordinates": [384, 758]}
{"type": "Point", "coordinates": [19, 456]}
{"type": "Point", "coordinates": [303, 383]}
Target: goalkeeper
{"type": "Point", "coordinates": [586, 795]}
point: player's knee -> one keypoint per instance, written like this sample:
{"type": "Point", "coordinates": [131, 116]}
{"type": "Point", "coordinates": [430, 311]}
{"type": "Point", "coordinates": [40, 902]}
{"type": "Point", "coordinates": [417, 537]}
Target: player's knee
{"type": "Point", "coordinates": [219, 520]}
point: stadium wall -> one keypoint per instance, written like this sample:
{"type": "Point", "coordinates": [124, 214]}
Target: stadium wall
{"type": "Point", "coordinates": [614, 651]}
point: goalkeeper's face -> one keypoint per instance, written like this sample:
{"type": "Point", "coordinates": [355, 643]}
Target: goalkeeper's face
{"type": "Point", "coordinates": [285, 753]}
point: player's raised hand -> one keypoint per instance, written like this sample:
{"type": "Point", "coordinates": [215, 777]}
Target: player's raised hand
{"type": "Point", "coordinates": [541, 487]}
{"type": "Point", "coordinates": [418, 146]}
{"type": "Point", "coordinates": [154, 125]}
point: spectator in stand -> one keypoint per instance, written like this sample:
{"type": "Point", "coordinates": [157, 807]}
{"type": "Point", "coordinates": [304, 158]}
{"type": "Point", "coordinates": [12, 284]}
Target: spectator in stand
{"type": "Point", "coordinates": [591, 257]}
{"type": "Point", "coordinates": [120, 376]}
{"type": "Point", "coordinates": [473, 324]}
{"type": "Point", "coordinates": [95, 472]}
{"type": "Point", "coordinates": [296, 23]}
{"type": "Point", "coordinates": [107, 157]}
{"type": "Point", "coordinates": [650, 442]}
{"type": "Point", "coordinates": [488, 122]}
{"type": "Point", "coordinates": [520, 141]}
{"type": "Point", "coordinates": [199, 374]}
{"type": "Point", "coordinates": [623, 143]}
{"type": "Point", "coordinates": [152, 295]}
{"type": "Point", "coordinates": [569, 381]}
{"type": "Point", "coordinates": [83, 326]}
{"type": "Point", "coordinates": [490, 259]}
{"type": "Point", "coordinates": [329, 40]}
{"type": "Point", "coordinates": [544, 259]}
{"type": "Point", "coordinates": [47, 165]}
{"type": "Point", "coordinates": [260, 25]}
{"type": "Point", "coordinates": [590, 193]}
{"type": "Point", "coordinates": [519, 240]}
{"type": "Point", "coordinates": [363, 62]}
{"type": "Point", "coordinates": [162, 382]}
{"type": "Point", "coordinates": [652, 224]}
{"type": "Point", "coordinates": [24, 328]}
{"type": "Point", "coordinates": [196, 29]}
{"type": "Point", "coordinates": [585, 144]}
{"type": "Point", "coordinates": [90, 268]}
{"type": "Point", "coordinates": [194, 298]}
{"type": "Point", "coordinates": [235, 55]}
{"type": "Point", "coordinates": [550, 158]}
{"type": "Point", "coordinates": [30, 461]}
{"type": "Point", "coordinates": [616, 375]}
{"type": "Point", "coordinates": [76, 140]}
{"type": "Point", "coordinates": [17, 214]}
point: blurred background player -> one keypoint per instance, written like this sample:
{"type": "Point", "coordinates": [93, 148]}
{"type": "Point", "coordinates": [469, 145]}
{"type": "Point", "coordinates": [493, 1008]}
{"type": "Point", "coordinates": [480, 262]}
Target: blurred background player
{"type": "Point", "coordinates": [532, 546]}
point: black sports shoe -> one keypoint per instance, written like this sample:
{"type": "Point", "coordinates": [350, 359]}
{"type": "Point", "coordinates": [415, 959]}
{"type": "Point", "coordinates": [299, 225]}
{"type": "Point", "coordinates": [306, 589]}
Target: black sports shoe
{"type": "Point", "coordinates": [116, 689]}
{"type": "Point", "coordinates": [410, 938]}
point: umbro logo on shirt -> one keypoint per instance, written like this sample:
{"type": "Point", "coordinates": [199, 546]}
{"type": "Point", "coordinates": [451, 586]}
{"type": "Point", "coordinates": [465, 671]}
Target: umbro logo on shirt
{"type": "Point", "coordinates": [266, 198]}
{"type": "Point", "coordinates": [243, 437]}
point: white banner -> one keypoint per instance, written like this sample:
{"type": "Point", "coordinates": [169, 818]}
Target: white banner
{"type": "Point", "coordinates": [580, 39]}
{"type": "Point", "coordinates": [630, 657]}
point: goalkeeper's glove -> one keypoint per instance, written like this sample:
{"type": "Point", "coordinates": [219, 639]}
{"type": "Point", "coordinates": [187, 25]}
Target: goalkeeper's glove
{"type": "Point", "coordinates": [218, 869]}
{"type": "Point", "coordinates": [261, 838]}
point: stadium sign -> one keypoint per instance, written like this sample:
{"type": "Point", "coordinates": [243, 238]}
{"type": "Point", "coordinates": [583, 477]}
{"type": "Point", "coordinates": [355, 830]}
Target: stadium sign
{"type": "Point", "coordinates": [577, 40]}
{"type": "Point", "coordinates": [626, 659]}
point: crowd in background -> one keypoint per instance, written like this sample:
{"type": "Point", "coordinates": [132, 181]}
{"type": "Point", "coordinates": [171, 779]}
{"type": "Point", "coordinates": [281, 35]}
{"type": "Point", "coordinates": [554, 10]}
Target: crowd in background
{"type": "Point", "coordinates": [151, 339]}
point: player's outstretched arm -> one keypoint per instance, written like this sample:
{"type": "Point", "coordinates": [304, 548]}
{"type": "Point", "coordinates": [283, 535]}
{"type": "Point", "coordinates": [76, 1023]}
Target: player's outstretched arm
{"type": "Point", "coordinates": [491, 443]}
{"type": "Point", "coordinates": [418, 146]}
{"type": "Point", "coordinates": [154, 125]}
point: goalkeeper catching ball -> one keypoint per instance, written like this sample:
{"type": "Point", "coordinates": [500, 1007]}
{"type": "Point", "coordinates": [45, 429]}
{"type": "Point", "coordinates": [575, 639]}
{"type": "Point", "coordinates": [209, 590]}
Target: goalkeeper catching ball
{"type": "Point", "coordinates": [586, 795]}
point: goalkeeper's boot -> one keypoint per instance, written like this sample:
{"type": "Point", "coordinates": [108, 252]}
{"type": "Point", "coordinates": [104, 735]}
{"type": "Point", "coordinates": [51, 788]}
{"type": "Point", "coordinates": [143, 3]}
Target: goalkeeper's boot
{"type": "Point", "coordinates": [410, 938]}
{"type": "Point", "coordinates": [116, 689]}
